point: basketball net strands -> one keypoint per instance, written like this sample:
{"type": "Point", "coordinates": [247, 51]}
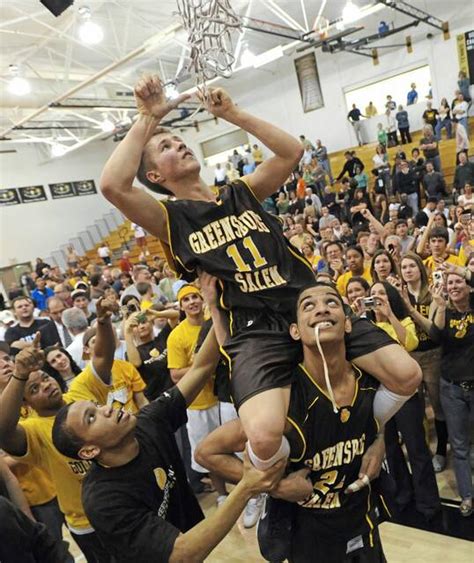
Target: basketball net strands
{"type": "Point", "coordinates": [211, 26]}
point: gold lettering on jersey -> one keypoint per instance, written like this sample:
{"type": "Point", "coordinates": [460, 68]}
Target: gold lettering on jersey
{"type": "Point", "coordinates": [342, 453]}
{"type": "Point", "coordinates": [220, 232]}
{"type": "Point", "coordinates": [326, 491]}
{"type": "Point", "coordinates": [80, 467]}
{"type": "Point", "coordinates": [266, 278]}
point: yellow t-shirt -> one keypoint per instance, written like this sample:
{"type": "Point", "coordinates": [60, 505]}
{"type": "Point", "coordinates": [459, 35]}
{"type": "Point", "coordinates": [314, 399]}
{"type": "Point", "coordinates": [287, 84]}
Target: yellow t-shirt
{"type": "Point", "coordinates": [67, 474]}
{"type": "Point", "coordinates": [411, 339]}
{"type": "Point", "coordinates": [431, 265]}
{"type": "Point", "coordinates": [257, 155]}
{"type": "Point", "coordinates": [35, 481]}
{"type": "Point", "coordinates": [125, 382]}
{"type": "Point", "coordinates": [181, 345]}
{"type": "Point", "coordinates": [342, 280]}
{"type": "Point", "coordinates": [462, 253]}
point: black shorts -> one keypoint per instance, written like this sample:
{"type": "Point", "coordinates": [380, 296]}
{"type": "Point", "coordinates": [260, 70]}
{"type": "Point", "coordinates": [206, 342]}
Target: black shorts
{"type": "Point", "coordinates": [262, 355]}
{"type": "Point", "coordinates": [308, 545]}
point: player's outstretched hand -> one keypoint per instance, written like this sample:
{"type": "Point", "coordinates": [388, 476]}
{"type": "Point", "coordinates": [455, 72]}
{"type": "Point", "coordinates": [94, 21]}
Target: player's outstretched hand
{"type": "Point", "coordinates": [256, 481]}
{"type": "Point", "coordinates": [105, 307]}
{"type": "Point", "coordinates": [370, 466]}
{"type": "Point", "coordinates": [29, 359]}
{"type": "Point", "coordinates": [151, 99]}
{"type": "Point", "coordinates": [218, 102]}
{"type": "Point", "coordinates": [208, 288]}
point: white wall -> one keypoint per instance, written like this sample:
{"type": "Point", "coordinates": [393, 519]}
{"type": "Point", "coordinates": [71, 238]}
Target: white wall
{"type": "Point", "coordinates": [36, 229]}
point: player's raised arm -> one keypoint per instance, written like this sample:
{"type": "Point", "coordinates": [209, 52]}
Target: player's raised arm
{"type": "Point", "coordinates": [120, 170]}
{"type": "Point", "coordinates": [273, 172]}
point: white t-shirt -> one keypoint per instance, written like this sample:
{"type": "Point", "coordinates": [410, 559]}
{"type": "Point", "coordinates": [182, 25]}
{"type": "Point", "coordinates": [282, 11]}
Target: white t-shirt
{"type": "Point", "coordinates": [103, 251]}
{"type": "Point", "coordinates": [465, 200]}
{"type": "Point", "coordinates": [220, 174]}
{"type": "Point", "coordinates": [139, 232]}
{"type": "Point", "coordinates": [460, 109]}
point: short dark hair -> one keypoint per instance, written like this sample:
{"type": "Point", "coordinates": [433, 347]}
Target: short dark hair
{"type": "Point", "coordinates": [95, 279]}
{"type": "Point", "coordinates": [145, 165]}
{"type": "Point", "coordinates": [336, 243]}
{"type": "Point", "coordinates": [356, 248]}
{"type": "Point", "coordinates": [439, 232]}
{"type": "Point", "coordinates": [401, 222]}
{"type": "Point", "coordinates": [21, 298]}
{"type": "Point", "coordinates": [357, 279]}
{"type": "Point", "coordinates": [318, 284]}
{"type": "Point", "coordinates": [64, 439]}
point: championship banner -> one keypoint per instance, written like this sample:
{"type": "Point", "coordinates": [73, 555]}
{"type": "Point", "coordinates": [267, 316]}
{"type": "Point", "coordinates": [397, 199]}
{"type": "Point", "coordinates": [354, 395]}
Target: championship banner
{"type": "Point", "coordinates": [465, 46]}
{"type": "Point", "coordinates": [60, 191]}
{"type": "Point", "coordinates": [86, 187]}
{"type": "Point", "coordinates": [31, 194]}
{"type": "Point", "coordinates": [9, 197]}
{"type": "Point", "coordinates": [308, 81]}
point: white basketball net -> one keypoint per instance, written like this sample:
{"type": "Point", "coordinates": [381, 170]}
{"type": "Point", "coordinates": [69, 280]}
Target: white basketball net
{"type": "Point", "coordinates": [210, 25]}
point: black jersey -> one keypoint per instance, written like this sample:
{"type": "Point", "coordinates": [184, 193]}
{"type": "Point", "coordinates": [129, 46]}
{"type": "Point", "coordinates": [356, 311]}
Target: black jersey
{"type": "Point", "coordinates": [239, 243]}
{"type": "Point", "coordinates": [332, 445]}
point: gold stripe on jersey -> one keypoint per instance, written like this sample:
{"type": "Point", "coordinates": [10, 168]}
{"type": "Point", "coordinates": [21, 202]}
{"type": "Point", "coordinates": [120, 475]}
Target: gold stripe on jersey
{"type": "Point", "coordinates": [356, 390]}
{"type": "Point", "coordinates": [301, 258]}
{"type": "Point", "coordinates": [301, 435]}
{"type": "Point", "coordinates": [367, 517]}
{"type": "Point", "coordinates": [229, 361]}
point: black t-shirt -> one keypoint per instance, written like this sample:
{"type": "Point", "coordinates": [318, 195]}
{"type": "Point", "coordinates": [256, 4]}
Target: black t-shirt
{"type": "Point", "coordinates": [139, 509]}
{"type": "Point", "coordinates": [457, 341]}
{"type": "Point", "coordinates": [154, 369]}
{"type": "Point", "coordinates": [354, 114]}
{"type": "Point", "coordinates": [48, 330]}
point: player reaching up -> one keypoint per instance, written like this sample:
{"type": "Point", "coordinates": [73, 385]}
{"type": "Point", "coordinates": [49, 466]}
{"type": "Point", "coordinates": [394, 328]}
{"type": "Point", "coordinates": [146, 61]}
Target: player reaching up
{"type": "Point", "coordinates": [226, 233]}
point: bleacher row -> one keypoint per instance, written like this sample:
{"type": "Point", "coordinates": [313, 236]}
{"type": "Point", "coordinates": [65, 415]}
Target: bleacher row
{"type": "Point", "coordinates": [123, 235]}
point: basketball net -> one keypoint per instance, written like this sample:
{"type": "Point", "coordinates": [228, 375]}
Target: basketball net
{"type": "Point", "coordinates": [210, 25]}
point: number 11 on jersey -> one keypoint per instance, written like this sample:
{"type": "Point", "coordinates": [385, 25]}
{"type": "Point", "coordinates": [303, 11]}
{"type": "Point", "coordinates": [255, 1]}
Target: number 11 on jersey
{"type": "Point", "coordinates": [240, 264]}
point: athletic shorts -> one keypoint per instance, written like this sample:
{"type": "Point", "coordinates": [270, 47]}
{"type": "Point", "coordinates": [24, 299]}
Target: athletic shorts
{"type": "Point", "coordinates": [262, 355]}
{"type": "Point", "coordinates": [200, 424]}
{"type": "Point", "coordinates": [362, 548]}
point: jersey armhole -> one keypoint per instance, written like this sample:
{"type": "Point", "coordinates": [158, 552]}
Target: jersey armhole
{"type": "Point", "coordinates": [172, 259]}
{"type": "Point", "coordinates": [245, 181]}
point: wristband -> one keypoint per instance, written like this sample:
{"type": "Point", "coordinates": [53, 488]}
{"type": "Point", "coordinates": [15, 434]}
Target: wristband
{"type": "Point", "coordinates": [19, 378]}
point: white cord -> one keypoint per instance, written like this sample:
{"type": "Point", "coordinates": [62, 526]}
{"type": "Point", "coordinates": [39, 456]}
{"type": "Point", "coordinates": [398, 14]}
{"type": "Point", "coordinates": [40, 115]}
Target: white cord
{"type": "Point", "coordinates": [326, 371]}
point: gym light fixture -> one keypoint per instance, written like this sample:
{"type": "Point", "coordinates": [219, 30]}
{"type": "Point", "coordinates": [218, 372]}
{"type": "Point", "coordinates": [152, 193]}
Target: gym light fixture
{"type": "Point", "coordinates": [57, 150]}
{"type": "Point", "coordinates": [247, 58]}
{"type": "Point", "coordinates": [90, 32]}
{"type": "Point", "coordinates": [171, 92]}
{"type": "Point", "coordinates": [18, 86]}
{"type": "Point", "coordinates": [351, 12]}
{"type": "Point", "coordinates": [107, 125]}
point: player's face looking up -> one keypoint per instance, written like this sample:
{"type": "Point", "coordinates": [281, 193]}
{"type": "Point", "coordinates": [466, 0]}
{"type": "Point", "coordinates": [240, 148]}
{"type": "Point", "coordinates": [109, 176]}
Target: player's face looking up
{"type": "Point", "coordinates": [320, 305]}
{"type": "Point", "coordinates": [42, 392]}
{"type": "Point", "coordinates": [99, 428]}
{"type": "Point", "coordinates": [169, 159]}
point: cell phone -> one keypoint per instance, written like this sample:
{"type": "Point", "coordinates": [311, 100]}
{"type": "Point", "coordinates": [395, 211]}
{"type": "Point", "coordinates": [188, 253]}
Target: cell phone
{"type": "Point", "coordinates": [132, 308]}
{"type": "Point", "coordinates": [437, 277]}
{"type": "Point", "coordinates": [391, 248]}
{"type": "Point", "coordinates": [370, 303]}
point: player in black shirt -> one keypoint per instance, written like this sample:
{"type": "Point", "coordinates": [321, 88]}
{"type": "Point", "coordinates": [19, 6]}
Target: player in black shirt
{"type": "Point", "coordinates": [136, 494]}
{"type": "Point", "coordinates": [336, 446]}
{"type": "Point", "coordinates": [227, 233]}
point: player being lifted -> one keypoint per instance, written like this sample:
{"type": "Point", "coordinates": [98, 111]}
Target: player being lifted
{"type": "Point", "coordinates": [227, 233]}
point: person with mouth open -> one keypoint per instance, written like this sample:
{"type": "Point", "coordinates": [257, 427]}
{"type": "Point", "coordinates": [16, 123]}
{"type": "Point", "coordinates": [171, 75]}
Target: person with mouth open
{"type": "Point", "coordinates": [136, 494]}
{"type": "Point", "coordinates": [226, 233]}
{"type": "Point", "coordinates": [30, 441]}
{"type": "Point", "coordinates": [336, 442]}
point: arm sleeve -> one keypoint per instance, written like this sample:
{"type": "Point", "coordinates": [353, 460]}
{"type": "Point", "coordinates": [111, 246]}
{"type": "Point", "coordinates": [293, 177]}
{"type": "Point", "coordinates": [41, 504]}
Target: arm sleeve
{"type": "Point", "coordinates": [411, 340]}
